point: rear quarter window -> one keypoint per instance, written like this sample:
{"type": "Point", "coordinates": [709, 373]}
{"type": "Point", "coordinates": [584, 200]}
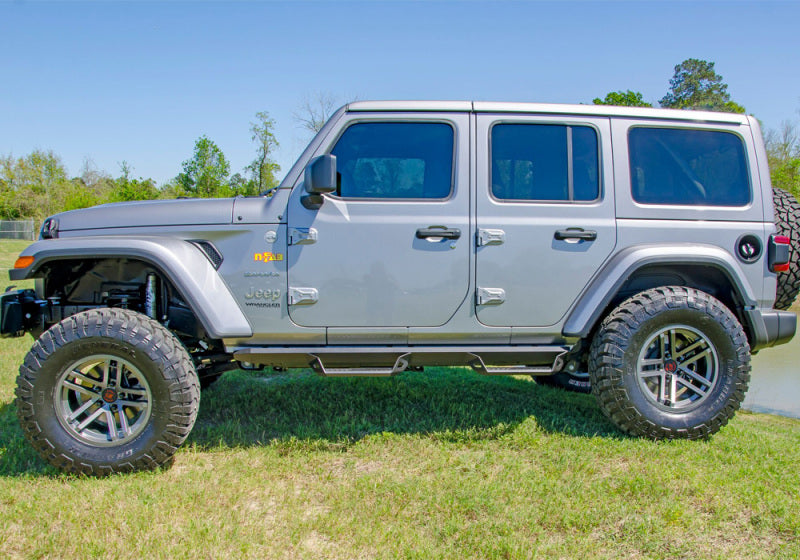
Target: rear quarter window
{"type": "Point", "coordinates": [688, 167]}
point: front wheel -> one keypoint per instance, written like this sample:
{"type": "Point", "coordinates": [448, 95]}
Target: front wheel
{"type": "Point", "coordinates": [107, 390]}
{"type": "Point", "coordinates": [670, 362]}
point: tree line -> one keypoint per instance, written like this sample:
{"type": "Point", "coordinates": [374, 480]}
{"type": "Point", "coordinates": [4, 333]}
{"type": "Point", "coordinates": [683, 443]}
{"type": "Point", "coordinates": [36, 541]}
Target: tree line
{"type": "Point", "coordinates": [37, 185]}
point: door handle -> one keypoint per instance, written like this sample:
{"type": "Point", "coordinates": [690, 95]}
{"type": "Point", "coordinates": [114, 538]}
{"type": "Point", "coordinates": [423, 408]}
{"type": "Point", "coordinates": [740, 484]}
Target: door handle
{"type": "Point", "coordinates": [576, 233]}
{"type": "Point", "coordinates": [438, 231]}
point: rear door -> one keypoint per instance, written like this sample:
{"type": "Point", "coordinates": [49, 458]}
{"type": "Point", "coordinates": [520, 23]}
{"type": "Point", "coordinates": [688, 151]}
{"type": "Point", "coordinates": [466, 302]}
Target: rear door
{"type": "Point", "coordinates": [545, 214]}
{"type": "Point", "coordinates": [391, 247]}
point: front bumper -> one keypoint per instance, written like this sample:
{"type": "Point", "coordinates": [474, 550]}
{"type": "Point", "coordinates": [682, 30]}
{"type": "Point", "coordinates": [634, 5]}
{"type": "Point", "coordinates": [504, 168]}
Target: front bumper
{"type": "Point", "coordinates": [20, 312]}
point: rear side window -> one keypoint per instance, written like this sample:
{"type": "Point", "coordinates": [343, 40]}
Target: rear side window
{"type": "Point", "coordinates": [405, 160]}
{"type": "Point", "coordinates": [544, 162]}
{"type": "Point", "coordinates": [688, 167]}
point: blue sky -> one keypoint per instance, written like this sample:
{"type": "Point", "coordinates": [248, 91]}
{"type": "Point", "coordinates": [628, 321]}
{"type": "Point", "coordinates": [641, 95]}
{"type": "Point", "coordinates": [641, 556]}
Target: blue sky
{"type": "Point", "coordinates": [113, 81]}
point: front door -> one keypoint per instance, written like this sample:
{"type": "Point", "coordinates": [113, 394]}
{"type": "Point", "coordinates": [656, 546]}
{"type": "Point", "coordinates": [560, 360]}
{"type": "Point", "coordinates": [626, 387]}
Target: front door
{"type": "Point", "coordinates": [546, 223]}
{"type": "Point", "coordinates": [391, 247]}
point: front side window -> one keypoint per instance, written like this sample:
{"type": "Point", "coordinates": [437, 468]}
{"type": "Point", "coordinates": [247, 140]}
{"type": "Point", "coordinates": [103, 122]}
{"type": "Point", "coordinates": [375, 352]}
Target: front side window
{"type": "Point", "coordinates": [544, 162]}
{"type": "Point", "coordinates": [688, 167]}
{"type": "Point", "coordinates": [406, 160]}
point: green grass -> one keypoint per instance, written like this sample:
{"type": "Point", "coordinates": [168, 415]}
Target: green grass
{"type": "Point", "coordinates": [441, 464]}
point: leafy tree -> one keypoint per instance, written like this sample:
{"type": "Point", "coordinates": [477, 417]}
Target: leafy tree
{"type": "Point", "coordinates": [624, 98]}
{"type": "Point", "coordinates": [263, 168]}
{"type": "Point", "coordinates": [76, 195]}
{"type": "Point", "coordinates": [206, 173]}
{"type": "Point", "coordinates": [126, 188]}
{"type": "Point", "coordinates": [33, 186]}
{"type": "Point", "coordinates": [783, 155]}
{"type": "Point", "coordinates": [696, 85]}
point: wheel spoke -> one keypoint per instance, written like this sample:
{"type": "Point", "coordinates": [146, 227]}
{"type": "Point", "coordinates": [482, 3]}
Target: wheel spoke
{"type": "Point", "coordinates": [689, 348]}
{"type": "Point", "coordinates": [673, 386]}
{"type": "Point", "coordinates": [651, 373]}
{"type": "Point", "coordinates": [123, 420]}
{"type": "Point", "coordinates": [672, 342]}
{"type": "Point", "coordinates": [106, 367]}
{"type": "Point", "coordinates": [79, 388]}
{"type": "Point", "coordinates": [80, 375]}
{"type": "Point", "coordinates": [90, 419]}
{"type": "Point", "coordinates": [83, 408]}
{"type": "Point", "coordinates": [132, 404]}
{"type": "Point", "coordinates": [695, 376]}
{"type": "Point", "coordinates": [651, 362]}
{"type": "Point", "coordinates": [693, 359]}
{"type": "Point", "coordinates": [134, 392]}
{"type": "Point", "coordinates": [112, 425]}
{"type": "Point", "coordinates": [693, 388]}
{"type": "Point", "coordinates": [662, 388]}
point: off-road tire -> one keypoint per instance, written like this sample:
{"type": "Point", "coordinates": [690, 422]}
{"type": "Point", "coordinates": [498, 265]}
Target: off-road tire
{"type": "Point", "coordinates": [617, 368]}
{"type": "Point", "coordinates": [787, 221]}
{"type": "Point", "coordinates": [162, 365]}
{"type": "Point", "coordinates": [576, 383]}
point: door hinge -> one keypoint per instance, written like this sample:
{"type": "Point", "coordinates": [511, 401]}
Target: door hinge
{"type": "Point", "coordinates": [300, 296]}
{"type": "Point", "coordinates": [491, 237]}
{"type": "Point", "coordinates": [490, 296]}
{"type": "Point", "coordinates": [302, 236]}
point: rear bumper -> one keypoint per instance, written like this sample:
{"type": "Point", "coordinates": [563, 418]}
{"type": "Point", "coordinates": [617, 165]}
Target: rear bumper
{"type": "Point", "coordinates": [781, 326]}
{"type": "Point", "coordinates": [771, 328]}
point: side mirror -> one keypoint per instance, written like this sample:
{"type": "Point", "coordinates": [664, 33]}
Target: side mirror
{"type": "Point", "coordinates": [319, 178]}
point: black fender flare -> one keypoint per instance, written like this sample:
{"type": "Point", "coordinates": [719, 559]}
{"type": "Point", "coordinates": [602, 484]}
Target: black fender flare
{"type": "Point", "coordinates": [181, 262]}
{"type": "Point", "coordinates": [608, 281]}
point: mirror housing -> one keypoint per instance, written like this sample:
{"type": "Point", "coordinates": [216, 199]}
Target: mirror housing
{"type": "Point", "coordinates": [320, 175]}
{"type": "Point", "coordinates": [319, 178]}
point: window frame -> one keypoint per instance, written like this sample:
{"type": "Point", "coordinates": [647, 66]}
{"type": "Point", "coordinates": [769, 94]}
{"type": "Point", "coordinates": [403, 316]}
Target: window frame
{"type": "Point", "coordinates": [747, 169]}
{"type": "Point", "coordinates": [600, 177]}
{"type": "Point", "coordinates": [372, 120]}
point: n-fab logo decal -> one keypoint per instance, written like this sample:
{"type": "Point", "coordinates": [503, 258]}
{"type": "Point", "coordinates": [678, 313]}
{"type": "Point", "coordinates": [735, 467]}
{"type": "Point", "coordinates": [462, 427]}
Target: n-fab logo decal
{"type": "Point", "coordinates": [267, 256]}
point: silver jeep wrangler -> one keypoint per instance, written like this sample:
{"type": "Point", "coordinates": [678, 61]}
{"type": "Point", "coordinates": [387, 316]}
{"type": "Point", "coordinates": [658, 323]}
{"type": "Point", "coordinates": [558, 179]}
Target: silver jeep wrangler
{"type": "Point", "coordinates": [636, 247]}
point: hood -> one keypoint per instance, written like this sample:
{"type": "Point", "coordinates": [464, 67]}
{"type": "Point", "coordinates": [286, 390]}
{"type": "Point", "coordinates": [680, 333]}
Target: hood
{"type": "Point", "coordinates": [149, 213]}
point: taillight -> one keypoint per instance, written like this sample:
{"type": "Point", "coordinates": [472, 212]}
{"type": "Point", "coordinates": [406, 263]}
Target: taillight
{"type": "Point", "coordinates": [779, 253]}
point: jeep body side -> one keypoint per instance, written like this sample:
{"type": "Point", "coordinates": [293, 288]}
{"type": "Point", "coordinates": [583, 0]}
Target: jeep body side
{"type": "Point", "coordinates": [505, 237]}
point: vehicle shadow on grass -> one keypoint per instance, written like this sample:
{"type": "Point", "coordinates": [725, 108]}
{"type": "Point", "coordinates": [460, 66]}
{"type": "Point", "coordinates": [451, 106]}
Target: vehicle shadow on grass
{"type": "Point", "coordinates": [300, 410]}
{"type": "Point", "coordinates": [454, 404]}
{"type": "Point", "coordinates": [17, 457]}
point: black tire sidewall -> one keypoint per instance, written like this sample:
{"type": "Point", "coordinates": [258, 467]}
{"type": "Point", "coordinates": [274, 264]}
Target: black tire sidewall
{"type": "Point", "coordinates": [44, 390]}
{"type": "Point", "coordinates": [722, 341]}
{"type": "Point", "coordinates": [566, 381]}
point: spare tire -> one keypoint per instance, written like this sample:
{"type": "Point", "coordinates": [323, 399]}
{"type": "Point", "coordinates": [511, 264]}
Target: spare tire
{"type": "Point", "coordinates": [787, 220]}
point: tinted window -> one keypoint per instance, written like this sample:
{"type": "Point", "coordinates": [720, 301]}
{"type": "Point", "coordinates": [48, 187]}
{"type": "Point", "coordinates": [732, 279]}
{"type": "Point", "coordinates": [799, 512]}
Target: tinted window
{"type": "Point", "coordinates": [544, 162]}
{"type": "Point", "coordinates": [688, 167]}
{"type": "Point", "coordinates": [395, 160]}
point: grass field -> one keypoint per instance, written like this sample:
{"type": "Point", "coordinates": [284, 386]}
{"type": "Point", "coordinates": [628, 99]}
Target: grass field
{"type": "Point", "coordinates": [441, 464]}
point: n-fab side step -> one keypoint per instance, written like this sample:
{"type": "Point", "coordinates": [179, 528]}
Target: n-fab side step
{"type": "Point", "coordinates": [390, 360]}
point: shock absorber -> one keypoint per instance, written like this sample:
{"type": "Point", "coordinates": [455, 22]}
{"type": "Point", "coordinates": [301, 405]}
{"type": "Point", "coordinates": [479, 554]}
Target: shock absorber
{"type": "Point", "coordinates": [150, 301]}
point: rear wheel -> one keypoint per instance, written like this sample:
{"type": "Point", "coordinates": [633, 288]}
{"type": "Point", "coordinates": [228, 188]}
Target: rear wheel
{"type": "Point", "coordinates": [107, 390]}
{"type": "Point", "coordinates": [670, 362]}
{"type": "Point", "coordinates": [787, 222]}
